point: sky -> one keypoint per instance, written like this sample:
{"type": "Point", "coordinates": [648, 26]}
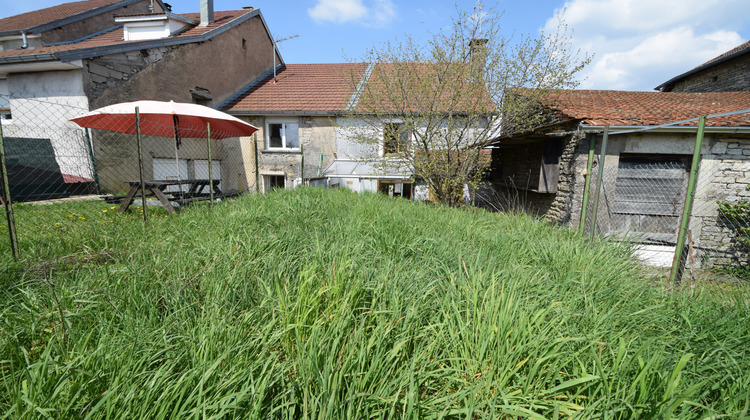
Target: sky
{"type": "Point", "coordinates": [635, 44]}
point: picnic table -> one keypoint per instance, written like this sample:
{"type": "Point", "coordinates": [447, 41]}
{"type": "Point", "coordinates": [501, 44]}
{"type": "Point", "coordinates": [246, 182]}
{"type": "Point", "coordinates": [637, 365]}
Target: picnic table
{"type": "Point", "coordinates": [156, 188]}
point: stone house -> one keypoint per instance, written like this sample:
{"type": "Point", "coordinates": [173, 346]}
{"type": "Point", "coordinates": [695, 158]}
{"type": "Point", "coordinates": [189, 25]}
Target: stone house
{"type": "Point", "coordinates": [302, 110]}
{"type": "Point", "coordinates": [645, 171]}
{"type": "Point", "coordinates": [65, 60]}
{"type": "Point", "coordinates": [728, 72]}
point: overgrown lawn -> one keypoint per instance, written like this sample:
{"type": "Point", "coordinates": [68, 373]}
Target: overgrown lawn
{"type": "Point", "coordinates": [326, 304]}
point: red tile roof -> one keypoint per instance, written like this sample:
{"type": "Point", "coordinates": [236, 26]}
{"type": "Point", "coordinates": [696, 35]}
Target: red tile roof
{"type": "Point", "coordinates": [406, 87]}
{"type": "Point", "coordinates": [302, 88]}
{"type": "Point", "coordinates": [329, 88]}
{"type": "Point", "coordinates": [50, 14]}
{"type": "Point", "coordinates": [115, 37]}
{"type": "Point", "coordinates": [620, 108]}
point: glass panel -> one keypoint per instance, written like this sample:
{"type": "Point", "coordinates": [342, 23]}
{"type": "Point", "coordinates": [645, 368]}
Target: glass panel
{"type": "Point", "coordinates": [291, 132]}
{"type": "Point", "coordinates": [274, 135]}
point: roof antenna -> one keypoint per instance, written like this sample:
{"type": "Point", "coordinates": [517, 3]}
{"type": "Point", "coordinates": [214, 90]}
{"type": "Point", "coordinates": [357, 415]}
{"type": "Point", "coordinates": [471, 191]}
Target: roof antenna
{"type": "Point", "coordinates": [275, 48]}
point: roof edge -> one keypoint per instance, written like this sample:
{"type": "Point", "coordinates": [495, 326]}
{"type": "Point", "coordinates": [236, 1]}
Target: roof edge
{"type": "Point", "coordinates": [153, 43]}
{"type": "Point", "coordinates": [702, 67]}
{"type": "Point", "coordinates": [71, 19]}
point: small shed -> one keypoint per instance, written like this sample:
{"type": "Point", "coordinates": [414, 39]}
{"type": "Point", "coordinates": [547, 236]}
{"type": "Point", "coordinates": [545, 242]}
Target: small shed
{"type": "Point", "coordinates": [645, 172]}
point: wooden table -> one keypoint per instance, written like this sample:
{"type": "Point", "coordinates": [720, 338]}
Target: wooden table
{"type": "Point", "coordinates": [157, 188]}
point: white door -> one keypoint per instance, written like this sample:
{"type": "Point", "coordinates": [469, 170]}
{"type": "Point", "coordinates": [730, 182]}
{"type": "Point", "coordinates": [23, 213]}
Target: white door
{"type": "Point", "coordinates": [164, 170]}
{"type": "Point", "coordinates": [201, 172]}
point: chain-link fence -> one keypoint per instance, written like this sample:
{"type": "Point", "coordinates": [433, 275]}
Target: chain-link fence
{"type": "Point", "coordinates": [643, 197]}
{"type": "Point", "coordinates": [59, 173]}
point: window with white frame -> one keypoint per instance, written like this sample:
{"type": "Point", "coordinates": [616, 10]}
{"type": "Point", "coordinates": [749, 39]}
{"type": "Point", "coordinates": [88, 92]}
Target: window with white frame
{"type": "Point", "coordinates": [282, 135]}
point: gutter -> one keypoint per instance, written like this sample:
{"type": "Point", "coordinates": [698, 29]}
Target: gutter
{"type": "Point", "coordinates": [625, 129]}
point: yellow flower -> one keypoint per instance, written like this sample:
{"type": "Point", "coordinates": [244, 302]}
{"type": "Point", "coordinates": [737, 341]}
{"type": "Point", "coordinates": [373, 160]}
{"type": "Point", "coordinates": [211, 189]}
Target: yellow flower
{"type": "Point", "coordinates": [104, 211]}
{"type": "Point", "coordinates": [113, 207]}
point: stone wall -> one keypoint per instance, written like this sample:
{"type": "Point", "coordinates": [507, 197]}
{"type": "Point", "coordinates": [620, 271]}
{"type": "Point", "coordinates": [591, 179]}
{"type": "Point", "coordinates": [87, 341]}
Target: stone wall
{"type": "Point", "coordinates": [731, 76]}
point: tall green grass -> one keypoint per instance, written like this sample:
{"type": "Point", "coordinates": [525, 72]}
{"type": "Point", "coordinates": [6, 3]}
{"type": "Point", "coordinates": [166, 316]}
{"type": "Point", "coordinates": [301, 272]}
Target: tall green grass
{"type": "Point", "coordinates": [326, 304]}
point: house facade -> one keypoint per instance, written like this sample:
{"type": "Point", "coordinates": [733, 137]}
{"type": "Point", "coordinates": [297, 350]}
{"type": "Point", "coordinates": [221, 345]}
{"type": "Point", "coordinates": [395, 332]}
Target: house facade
{"type": "Point", "coordinates": [95, 53]}
{"type": "Point", "coordinates": [305, 132]}
{"type": "Point", "coordinates": [645, 169]}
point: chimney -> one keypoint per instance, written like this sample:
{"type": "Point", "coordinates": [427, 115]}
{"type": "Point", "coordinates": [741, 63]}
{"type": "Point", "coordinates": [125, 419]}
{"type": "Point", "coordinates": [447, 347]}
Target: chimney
{"type": "Point", "coordinates": [207, 12]}
{"type": "Point", "coordinates": [478, 52]}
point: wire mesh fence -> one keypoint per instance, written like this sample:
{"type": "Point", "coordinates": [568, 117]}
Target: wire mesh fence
{"type": "Point", "coordinates": [642, 198]}
{"type": "Point", "coordinates": [60, 174]}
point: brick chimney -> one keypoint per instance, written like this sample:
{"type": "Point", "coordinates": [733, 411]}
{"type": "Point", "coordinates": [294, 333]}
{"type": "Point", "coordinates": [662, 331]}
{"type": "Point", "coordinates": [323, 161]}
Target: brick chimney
{"type": "Point", "coordinates": [207, 12]}
{"type": "Point", "coordinates": [478, 52]}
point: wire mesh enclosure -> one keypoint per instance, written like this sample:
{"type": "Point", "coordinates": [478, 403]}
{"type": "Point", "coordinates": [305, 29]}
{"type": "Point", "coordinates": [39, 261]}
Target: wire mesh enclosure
{"type": "Point", "coordinates": [59, 172]}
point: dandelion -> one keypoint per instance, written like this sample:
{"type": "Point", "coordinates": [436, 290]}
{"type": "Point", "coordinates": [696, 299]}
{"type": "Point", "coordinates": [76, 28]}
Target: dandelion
{"type": "Point", "coordinates": [113, 207]}
{"type": "Point", "coordinates": [104, 211]}
{"type": "Point", "coordinates": [81, 217]}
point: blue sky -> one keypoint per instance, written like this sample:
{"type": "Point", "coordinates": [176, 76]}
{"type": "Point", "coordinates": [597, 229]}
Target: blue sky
{"type": "Point", "coordinates": [637, 44]}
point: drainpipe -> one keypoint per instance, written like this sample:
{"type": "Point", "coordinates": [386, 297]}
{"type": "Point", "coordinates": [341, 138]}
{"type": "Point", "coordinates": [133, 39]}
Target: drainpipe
{"type": "Point", "coordinates": [25, 40]}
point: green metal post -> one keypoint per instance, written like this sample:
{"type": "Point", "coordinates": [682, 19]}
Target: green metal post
{"type": "Point", "coordinates": [677, 262]}
{"type": "Point", "coordinates": [140, 164]}
{"type": "Point", "coordinates": [320, 165]}
{"type": "Point", "coordinates": [255, 148]}
{"type": "Point", "coordinates": [91, 156]}
{"type": "Point", "coordinates": [8, 202]}
{"type": "Point", "coordinates": [302, 165]}
{"type": "Point", "coordinates": [587, 187]}
{"type": "Point", "coordinates": [210, 169]}
{"type": "Point", "coordinates": [599, 180]}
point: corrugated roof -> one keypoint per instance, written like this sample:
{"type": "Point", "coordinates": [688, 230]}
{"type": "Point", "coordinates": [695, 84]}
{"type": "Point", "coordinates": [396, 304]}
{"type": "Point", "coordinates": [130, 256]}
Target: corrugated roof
{"type": "Point", "coordinates": [302, 88]}
{"type": "Point", "coordinates": [115, 37]}
{"type": "Point", "coordinates": [622, 108]}
{"type": "Point", "coordinates": [50, 14]}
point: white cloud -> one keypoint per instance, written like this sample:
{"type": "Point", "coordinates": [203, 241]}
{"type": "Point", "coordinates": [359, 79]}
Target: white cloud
{"type": "Point", "coordinates": [376, 13]}
{"type": "Point", "coordinates": [639, 44]}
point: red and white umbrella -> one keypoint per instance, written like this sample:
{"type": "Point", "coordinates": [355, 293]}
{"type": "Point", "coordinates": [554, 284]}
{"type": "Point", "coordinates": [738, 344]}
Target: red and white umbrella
{"type": "Point", "coordinates": [166, 119]}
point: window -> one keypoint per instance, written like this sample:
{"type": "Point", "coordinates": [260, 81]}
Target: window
{"type": "Point", "coordinates": [650, 185]}
{"type": "Point", "coordinates": [273, 181]}
{"type": "Point", "coordinates": [282, 135]}
{"type": "Point", "coordinates": [396, 137]}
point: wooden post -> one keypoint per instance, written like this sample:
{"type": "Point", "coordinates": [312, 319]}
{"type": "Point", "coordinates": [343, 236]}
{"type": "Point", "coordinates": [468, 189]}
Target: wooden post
{"type": "Point", "coordinates": [8, 200]}
{"type": "Point", "coordinates": [140, 164]}
{"type": "Point", "coordinates": [587, 187]}
{"type": "Point", "coordinates": [685, 221]}
{"type": "Point", "coordinates": [210, 169]}
{"type": "Point", "coordinates": [599, 180]}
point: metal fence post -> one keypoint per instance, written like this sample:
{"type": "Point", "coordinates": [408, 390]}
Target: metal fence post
{"type": "Point", "coordinates": [91, 156]}
{"type": "Point", "coordinates": [255, 148]}
{"type": "Point", "coordinates": [587, 187]}
{"type": "Point", "coordinates": [677, 262]}
{"type": "Point", "coordinates": [302, 164]}
{"type": "Point", "coordinates": [210, 170]}
{"type": "Point", "coordinates": [595, 210]}
{"type": "Point", "coordinates": [8, 202]}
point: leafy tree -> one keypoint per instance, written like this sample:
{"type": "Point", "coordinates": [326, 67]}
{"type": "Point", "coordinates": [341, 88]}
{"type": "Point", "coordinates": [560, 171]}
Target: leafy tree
{"type": "Point", "coordinates": [433, 107]}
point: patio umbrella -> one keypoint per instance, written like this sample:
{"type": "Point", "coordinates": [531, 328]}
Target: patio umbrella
{"type": "Point", "coordinates": [166, 119]}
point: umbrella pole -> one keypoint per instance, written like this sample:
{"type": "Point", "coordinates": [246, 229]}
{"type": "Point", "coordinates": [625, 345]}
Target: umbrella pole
{"type": "Point", "coordinates": [210, 168]}
{"type": "Point", "coordinates": [177, 156]}
{"type": "Point", "coordinates": [140, 164]}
